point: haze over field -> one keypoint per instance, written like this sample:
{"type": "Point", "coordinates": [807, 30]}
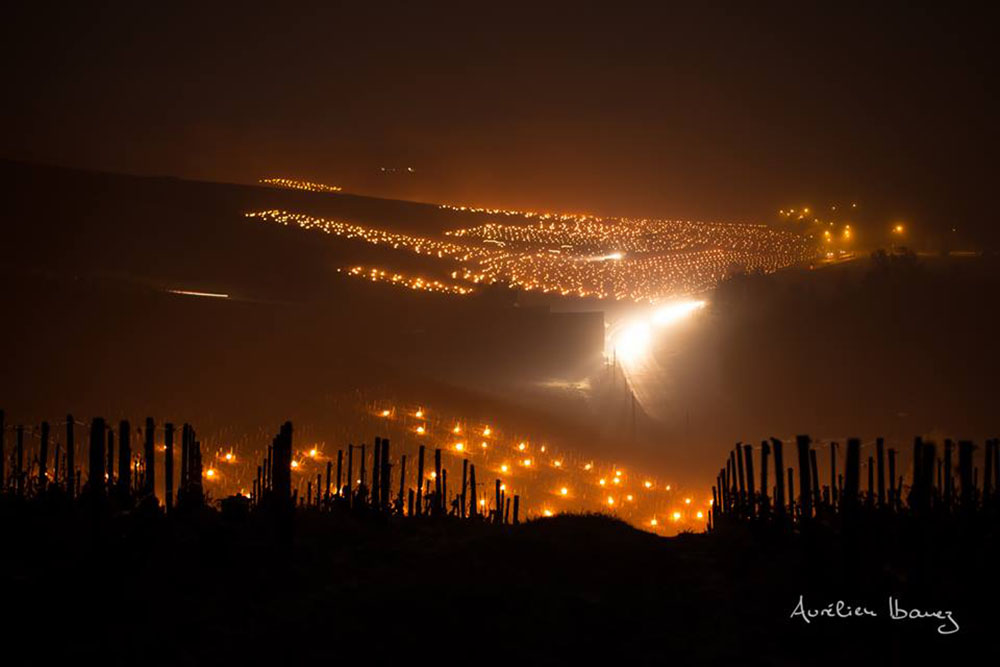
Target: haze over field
{"type": "Point", "coordinates": [534, 216]}
{"type": "Point", "coordinates": [168, 287]}
{"type": "Point", "coordinates": [566, 333]}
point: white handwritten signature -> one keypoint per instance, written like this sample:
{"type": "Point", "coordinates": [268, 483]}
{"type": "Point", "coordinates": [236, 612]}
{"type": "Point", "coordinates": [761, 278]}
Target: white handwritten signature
{"type": "Point", "coordinates": [841, 609]}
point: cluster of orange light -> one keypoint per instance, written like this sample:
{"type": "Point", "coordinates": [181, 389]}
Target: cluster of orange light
{"type": "Point", "coordinates": [829, 234]}
{"type": "Point", "coordinates": [622, 258]}
{"type": "Point", "coordinates": [417, 244]}
{"type": "Point", "coordinates": [578, 217]}
{"type": "Point", "coordinates": [300, 185]}
{"type": "Point", "coordinates": [395, 278]}
{"type": "Point", "coordinates": [628, 258]}
{"type": "Point", "coordinates": [643, 278]}
{"type": "Point", "coordinates": [806, 214]}
{"type": "Point", "coordinates": [634, 235]}
{"type": "Point", "coordinates": [548, 481]}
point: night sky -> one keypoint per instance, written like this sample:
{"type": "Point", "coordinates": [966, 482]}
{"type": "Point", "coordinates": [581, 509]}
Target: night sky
{"type": "Point", "coordinates": [708, 113]}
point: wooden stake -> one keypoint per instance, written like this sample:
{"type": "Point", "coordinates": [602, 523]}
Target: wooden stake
{"type": "Point", "coordinates": [852, 481]}
{"type": "Point", "coordinates": [988, 473]}
{"type": "Point", "coordinates": [791, 493]}
{"type": "Point", "coordinates": [893, 494]}
{"type": "Point", "coordinates": [376, 472]}
{"type": "Point", "coordinates": [720, 479]}
{"type": "Point", "coordinates": [444, 491]}
{"type": "Point", "coordinates": [185, 460]}
{"type": "Point", "coordinates": [779, 478]}
{"type": "Point", "coordinates": [149, 455]}
{"type": "Point", "coordinates": [465, 480]}
{"type": "Point", "coordinates": [197, 484]}
{"type": "Point", "coordinates": [266, 472]}
{"type": "Point", "coordinates": [765, 451]}
{"type": "Point", "coordinates": [805, 486]}
{"type": "Point", "coordinates": [350, 470]}
{"type": "Point", "coordinates": [282, 465]}
{"type": "Point", "coordinates": [43, 458]}
{"type": "Point", "coordinates": [329, 472]}
{"type": "Point", "coordinates": [110, 470]}
{"type": "Point", "coordinates": [880, 455]}
{"type": "Point", "coordinates": [947, 474]}
{"type": "Point", "coordinates": [438, 500]}
{"type": "Point", "coordinates": [95, 478]}
{"type": "Point", "coordinates": [728, 484]}
{"type": "Point", "coordinates": [833, 473]}
{"type": "Point", "coordinates": [740, 477]}
{"type": "Point", "coordinates": [473, 505]}
{"type": "Point", "coordinates": [362, 491]}
{"type": "Point", "coordinates": [871, 482]}
{"type": "Point", "coordinates": [3, 451]}
{"type": "Point", "coordinates": [340, 463]}
{"type": "Point", "coordinates": [735, 498]}
{"type": "Point", "coordinates": [70, 456]}
{"type": "Point", "coordinates": [498, 513]}
{"type": "Point", "coordinates": [968, 492]}
{"type": "Point", "coordinates": [814, 476]}
{"type": "Point", "coordinates": [402, 482]}
{"type": "Point", "coordinates": [55, 469]}
{"type": "Point", "coordinates": [386, 476]}
{"type": "Point", "coordinates": [168, 466]}
{"type": "Point", "coordinates": [916, 492]}
{"type": "Point", "coordinates": [420, 480]}
{"type": "Point", "coordinates": [927, 467]}
{"type": "Point", "coordinates": [996, 464]}
{"type": "Point", "coordinates": [124, 457]}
